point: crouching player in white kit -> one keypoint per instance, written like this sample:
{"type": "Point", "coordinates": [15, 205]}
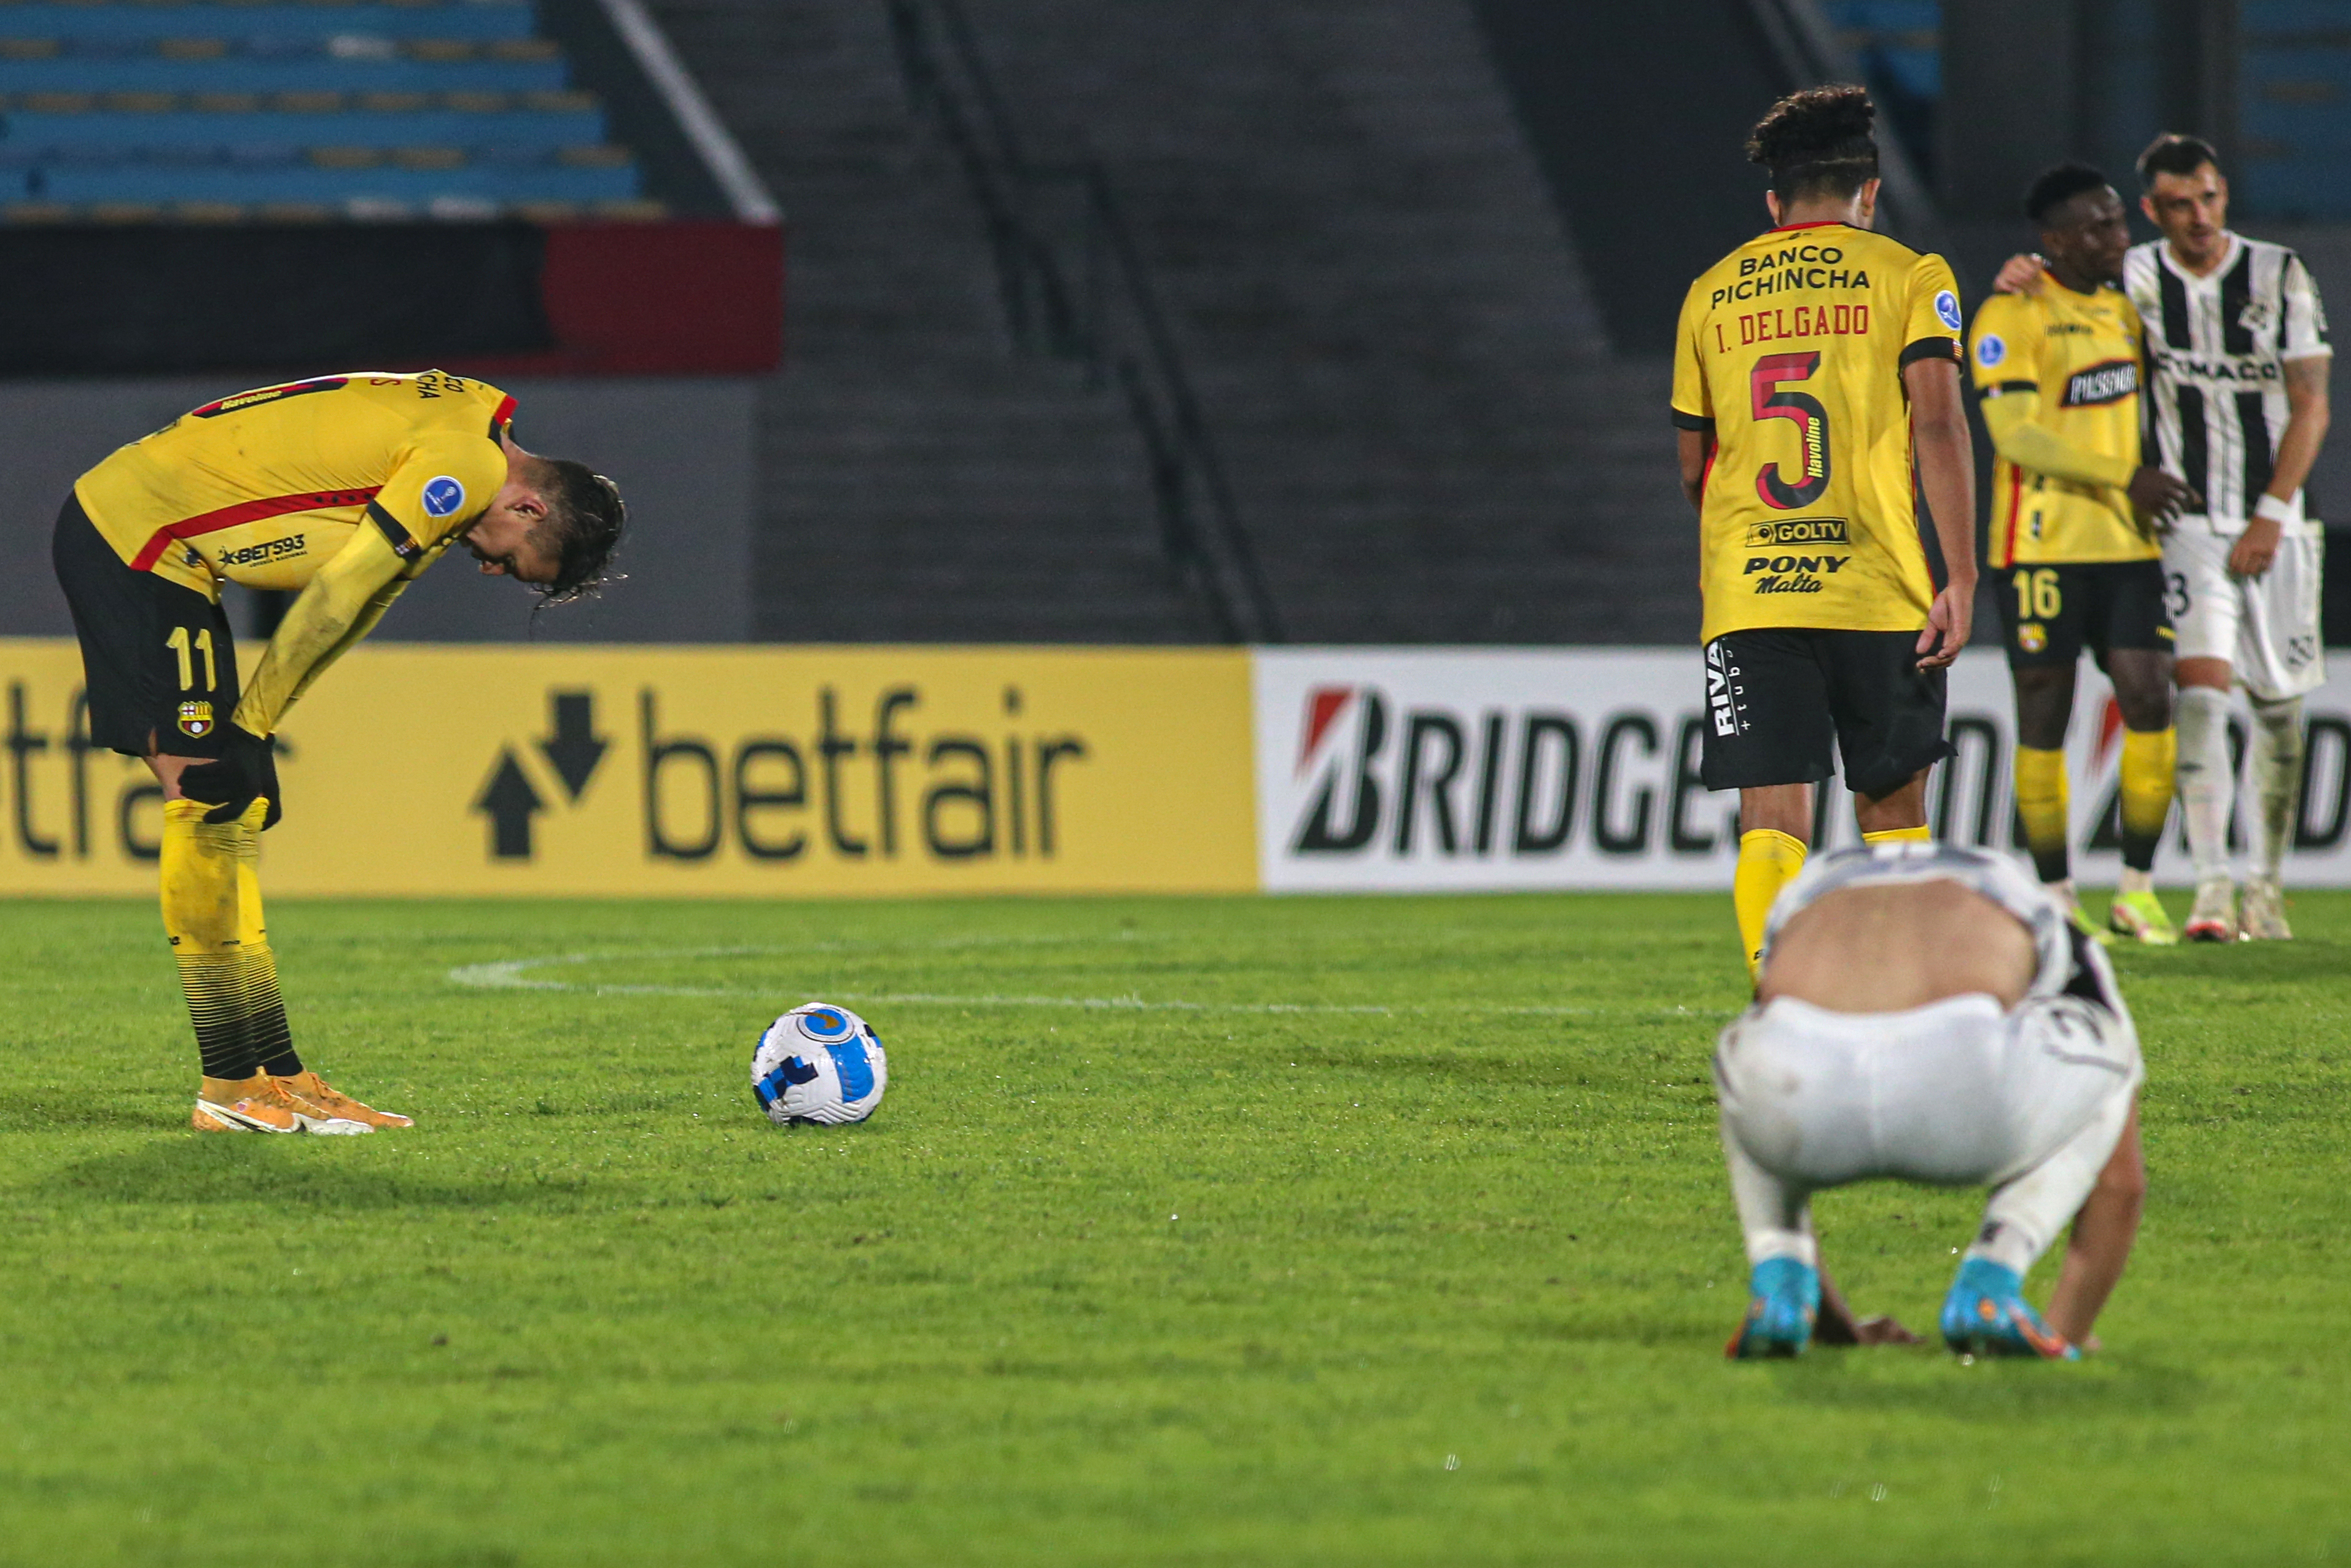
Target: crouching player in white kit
{"type": "Point", "coordinates": [1925, 1012]}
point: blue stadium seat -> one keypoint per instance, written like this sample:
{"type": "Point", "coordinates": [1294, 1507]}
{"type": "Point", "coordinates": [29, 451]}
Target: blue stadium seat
{"type": "Point", "coordinates": [2294, 93]}
{"type": "Point", "coordinates": [2294, 108]}
{"type": "Point", "coordinates": [123, 22]}
{"type": "Point", "coordinates": [454, 109]}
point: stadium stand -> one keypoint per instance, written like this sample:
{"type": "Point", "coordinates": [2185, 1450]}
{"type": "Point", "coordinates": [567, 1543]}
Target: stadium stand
{"type": "Point", "coordinates": [1408, 270]}
{"type": "Point", "coordinates": [2292, 89]}
{"type": "Point", "coordinates": [1428, 436]}
{"type": "Point", "coordinates": [521, 174]}
{"type": "Point", "coordinates": [214, 112]}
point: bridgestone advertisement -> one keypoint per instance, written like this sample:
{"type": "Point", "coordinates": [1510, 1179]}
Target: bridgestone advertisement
{"type": "Point", "coordinates": [797, 772]}
{"type": "Point", "coordinates": [1392, 771]}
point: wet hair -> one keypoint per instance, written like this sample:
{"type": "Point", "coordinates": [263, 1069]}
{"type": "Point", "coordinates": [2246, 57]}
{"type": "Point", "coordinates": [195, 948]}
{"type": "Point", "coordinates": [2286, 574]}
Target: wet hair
{"type": "Point", "coordinates": [1818, 143]}
{"type": "Point", "coordinates": [585, 515]}
{"type": "Point", "coordinates": [2174, 153]}
{"type": "Point", "coordinates": [2057, 187]}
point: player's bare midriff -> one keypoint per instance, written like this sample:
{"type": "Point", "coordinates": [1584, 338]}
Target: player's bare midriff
{"type": "Point", "coordinates": [1889, 949]}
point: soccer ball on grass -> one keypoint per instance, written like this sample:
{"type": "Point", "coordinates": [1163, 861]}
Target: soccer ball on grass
{"type": "Point", "coordinates": [818, 1063]}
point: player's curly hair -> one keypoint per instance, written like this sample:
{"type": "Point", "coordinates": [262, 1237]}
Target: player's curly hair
{"type": "Point", "coordinates": [2059, 186]}
{"type": "Point", "coordinates": [2175, 154]}
{"type": "Point", "coordinates": [1818, 143]}
{"type": "Point", "coordinates": [585, 515]}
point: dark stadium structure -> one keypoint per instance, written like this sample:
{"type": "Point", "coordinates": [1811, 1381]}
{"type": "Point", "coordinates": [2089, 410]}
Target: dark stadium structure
{"type": "Point", "coordinates": [214, 187]}
{"type": "Point", "coordinates": [1344, 322]}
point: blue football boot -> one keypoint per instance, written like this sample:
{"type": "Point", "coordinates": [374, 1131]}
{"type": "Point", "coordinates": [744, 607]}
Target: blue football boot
{"type": "Point", "coordinates": [1783, 1297]}
{"type": "Point", "coordinates": [1986, 1314]}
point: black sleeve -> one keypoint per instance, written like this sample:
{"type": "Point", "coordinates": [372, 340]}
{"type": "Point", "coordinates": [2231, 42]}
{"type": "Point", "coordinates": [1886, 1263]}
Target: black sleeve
{"type": "Point", "coordinates": [1931, 349]}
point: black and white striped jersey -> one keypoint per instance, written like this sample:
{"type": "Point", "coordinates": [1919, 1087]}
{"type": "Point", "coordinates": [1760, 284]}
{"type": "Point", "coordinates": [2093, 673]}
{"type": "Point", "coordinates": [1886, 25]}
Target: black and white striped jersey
{"type": "Point", "coordinates": [2217, 348]}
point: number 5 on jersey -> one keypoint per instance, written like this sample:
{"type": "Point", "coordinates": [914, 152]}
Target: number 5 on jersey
{"type": "Point", "coordinates": [1812, 422]}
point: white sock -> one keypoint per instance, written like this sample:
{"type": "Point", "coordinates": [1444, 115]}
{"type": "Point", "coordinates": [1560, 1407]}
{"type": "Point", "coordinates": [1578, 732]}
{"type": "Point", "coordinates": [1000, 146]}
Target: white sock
{"type": "Point", "coordinates": [2275, 771]}
{"type": "Point", "coordinates": [2135, 881]}
{"type": "Point", "coordinates": [2027, 1214]}
{"type": "Point", "coordinates": [1775, 1215]}
{"type": "Point", "coordinates": [2207, 788]}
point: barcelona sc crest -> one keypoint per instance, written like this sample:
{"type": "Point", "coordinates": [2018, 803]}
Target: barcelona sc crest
{"type": "Point", "coordinates": [2029, 636]}
{"type": "Point", "coordinates": [195, 720]}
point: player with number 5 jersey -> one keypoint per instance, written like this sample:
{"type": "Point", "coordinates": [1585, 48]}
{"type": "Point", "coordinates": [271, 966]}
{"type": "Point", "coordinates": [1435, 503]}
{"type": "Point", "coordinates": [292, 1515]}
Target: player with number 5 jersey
{"type": "Point", "coordinates": [1810, 365]}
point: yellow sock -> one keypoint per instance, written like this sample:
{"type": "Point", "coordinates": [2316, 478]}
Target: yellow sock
{"type": "Point", "coordinates": [2149, 758]}
{"type": "Point", "coordinates": [1890, 835]}
{"type": "Point", "coordinates": [212, 914]}
{"type": "Point", "coordinates": [2042, 803]}
{"type": "Point", "coordinates": [1769, 861]}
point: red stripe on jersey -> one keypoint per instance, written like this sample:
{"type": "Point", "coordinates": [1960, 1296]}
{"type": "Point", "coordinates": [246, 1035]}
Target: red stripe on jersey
{"type": "Point", "coordinates": [2015, 504]}
{"type": "Point", "coordinates": [244, 512]}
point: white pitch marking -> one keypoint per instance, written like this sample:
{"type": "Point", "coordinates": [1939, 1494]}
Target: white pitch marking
{"type": "Point", "coordinates": [513, 974]}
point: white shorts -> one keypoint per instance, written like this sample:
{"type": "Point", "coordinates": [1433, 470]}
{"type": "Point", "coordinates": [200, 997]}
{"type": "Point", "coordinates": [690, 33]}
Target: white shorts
{"type": "Point", "coordinates": [1957, 1093]}
{"type": "Point", "coordinates": [2266, 627]}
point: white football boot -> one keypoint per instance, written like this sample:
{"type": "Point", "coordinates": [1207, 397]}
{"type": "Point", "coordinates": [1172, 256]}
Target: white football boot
{"type": "Point", "coordinates": [2264, 910]}
{"type": "Point", "coordinates": [2214, 917]}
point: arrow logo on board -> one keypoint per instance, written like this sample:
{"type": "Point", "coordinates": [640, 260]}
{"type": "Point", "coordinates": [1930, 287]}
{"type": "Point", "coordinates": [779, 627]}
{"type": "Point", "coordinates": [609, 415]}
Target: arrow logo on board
{"type": "Point", "coordinates": [574, 748]}
{"type": "Point", "coordinates": [510, 803]}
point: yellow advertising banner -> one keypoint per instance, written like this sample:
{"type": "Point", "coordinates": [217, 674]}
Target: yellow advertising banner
{"type": "Point", "coordinates": [785, 771]}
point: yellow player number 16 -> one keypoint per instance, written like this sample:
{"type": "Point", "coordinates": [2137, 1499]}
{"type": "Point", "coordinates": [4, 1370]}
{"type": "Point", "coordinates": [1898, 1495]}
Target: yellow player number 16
{"type": "Point", "coordinates": [2036, 595]}
{"type": "Point", "coordinates": [178, 643]}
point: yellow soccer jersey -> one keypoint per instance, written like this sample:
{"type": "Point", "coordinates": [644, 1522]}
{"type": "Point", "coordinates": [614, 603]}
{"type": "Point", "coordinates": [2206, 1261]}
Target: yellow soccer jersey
{"type": "Point", "coordinates": [1791, 353]}
{"type": "Point", "coordinates": [2059, 374]}
{"type": "Point", "coordinates": [265, 487]}
{"type": "Point", "coordinates": [343, 487]}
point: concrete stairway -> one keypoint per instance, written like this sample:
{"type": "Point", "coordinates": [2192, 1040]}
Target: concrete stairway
{"type": "Point", "coordinates": [1429, 438]}
{"type": "Point", "coordinates": [921, 483]}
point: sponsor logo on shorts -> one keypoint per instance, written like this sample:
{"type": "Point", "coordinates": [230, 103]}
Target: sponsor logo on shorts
{"type": "Point", "coordinates": [195, 720]}
{"type": "Point", "coordinates": [1946, 306]}
{"type": "Point", "coordinates": [267, 550]}
{"type": "Point", "coordinates": [2110, 381]}
{"type": "Point", "coordinates": [1791, 573]}
{"type": "Point", "coordinates": [1991, 350]}
{"type": "Point", "coordinates": [2031, 636]}
{"type": "Point", "coordinates": [1798, 531]}
{"type": "Point", "coordinates": [1723, 708]}
{"type": "Point", "coordinates": [443, 496]}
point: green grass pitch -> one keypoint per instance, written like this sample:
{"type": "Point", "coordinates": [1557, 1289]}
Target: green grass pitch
{"type": "Point", "coordinates": [1272, 1277]}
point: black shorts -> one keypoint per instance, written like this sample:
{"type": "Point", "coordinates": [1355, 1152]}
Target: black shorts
{"type": "Point", "coordinates": [2050, 613]}
{"type": "Point", "coordinates": [1782, 705]}
{"type": "Point", "coordinates": [157, 659]}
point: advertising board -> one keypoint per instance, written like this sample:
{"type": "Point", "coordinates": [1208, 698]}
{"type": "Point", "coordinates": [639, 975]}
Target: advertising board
{"type": "Point", "coordinates": [1399, 770]}
{"type": "Point", "coordinates": [787, 772]}
{"type": "Point", "coordinates": [781, 771]}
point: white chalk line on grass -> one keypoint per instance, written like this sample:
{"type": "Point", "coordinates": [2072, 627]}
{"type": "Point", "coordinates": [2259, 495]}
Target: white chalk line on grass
{"type": "Point", "coordinates": [516, 975]}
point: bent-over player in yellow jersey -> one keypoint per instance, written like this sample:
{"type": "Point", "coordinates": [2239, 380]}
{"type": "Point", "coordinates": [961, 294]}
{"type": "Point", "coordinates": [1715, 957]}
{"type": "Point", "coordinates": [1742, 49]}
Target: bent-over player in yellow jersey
{"type": "Point", "coordinates": [1811, 364]}
{"type": "Point", "coordinates": [344, 487]}
{"type": "Point", "coordinates": [2072, 509]}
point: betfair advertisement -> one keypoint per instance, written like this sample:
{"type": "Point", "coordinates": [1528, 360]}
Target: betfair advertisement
{"type": "Point", "coordinates": [784, 772]}
{"type": "Point", "coordinates": [826, 771]}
